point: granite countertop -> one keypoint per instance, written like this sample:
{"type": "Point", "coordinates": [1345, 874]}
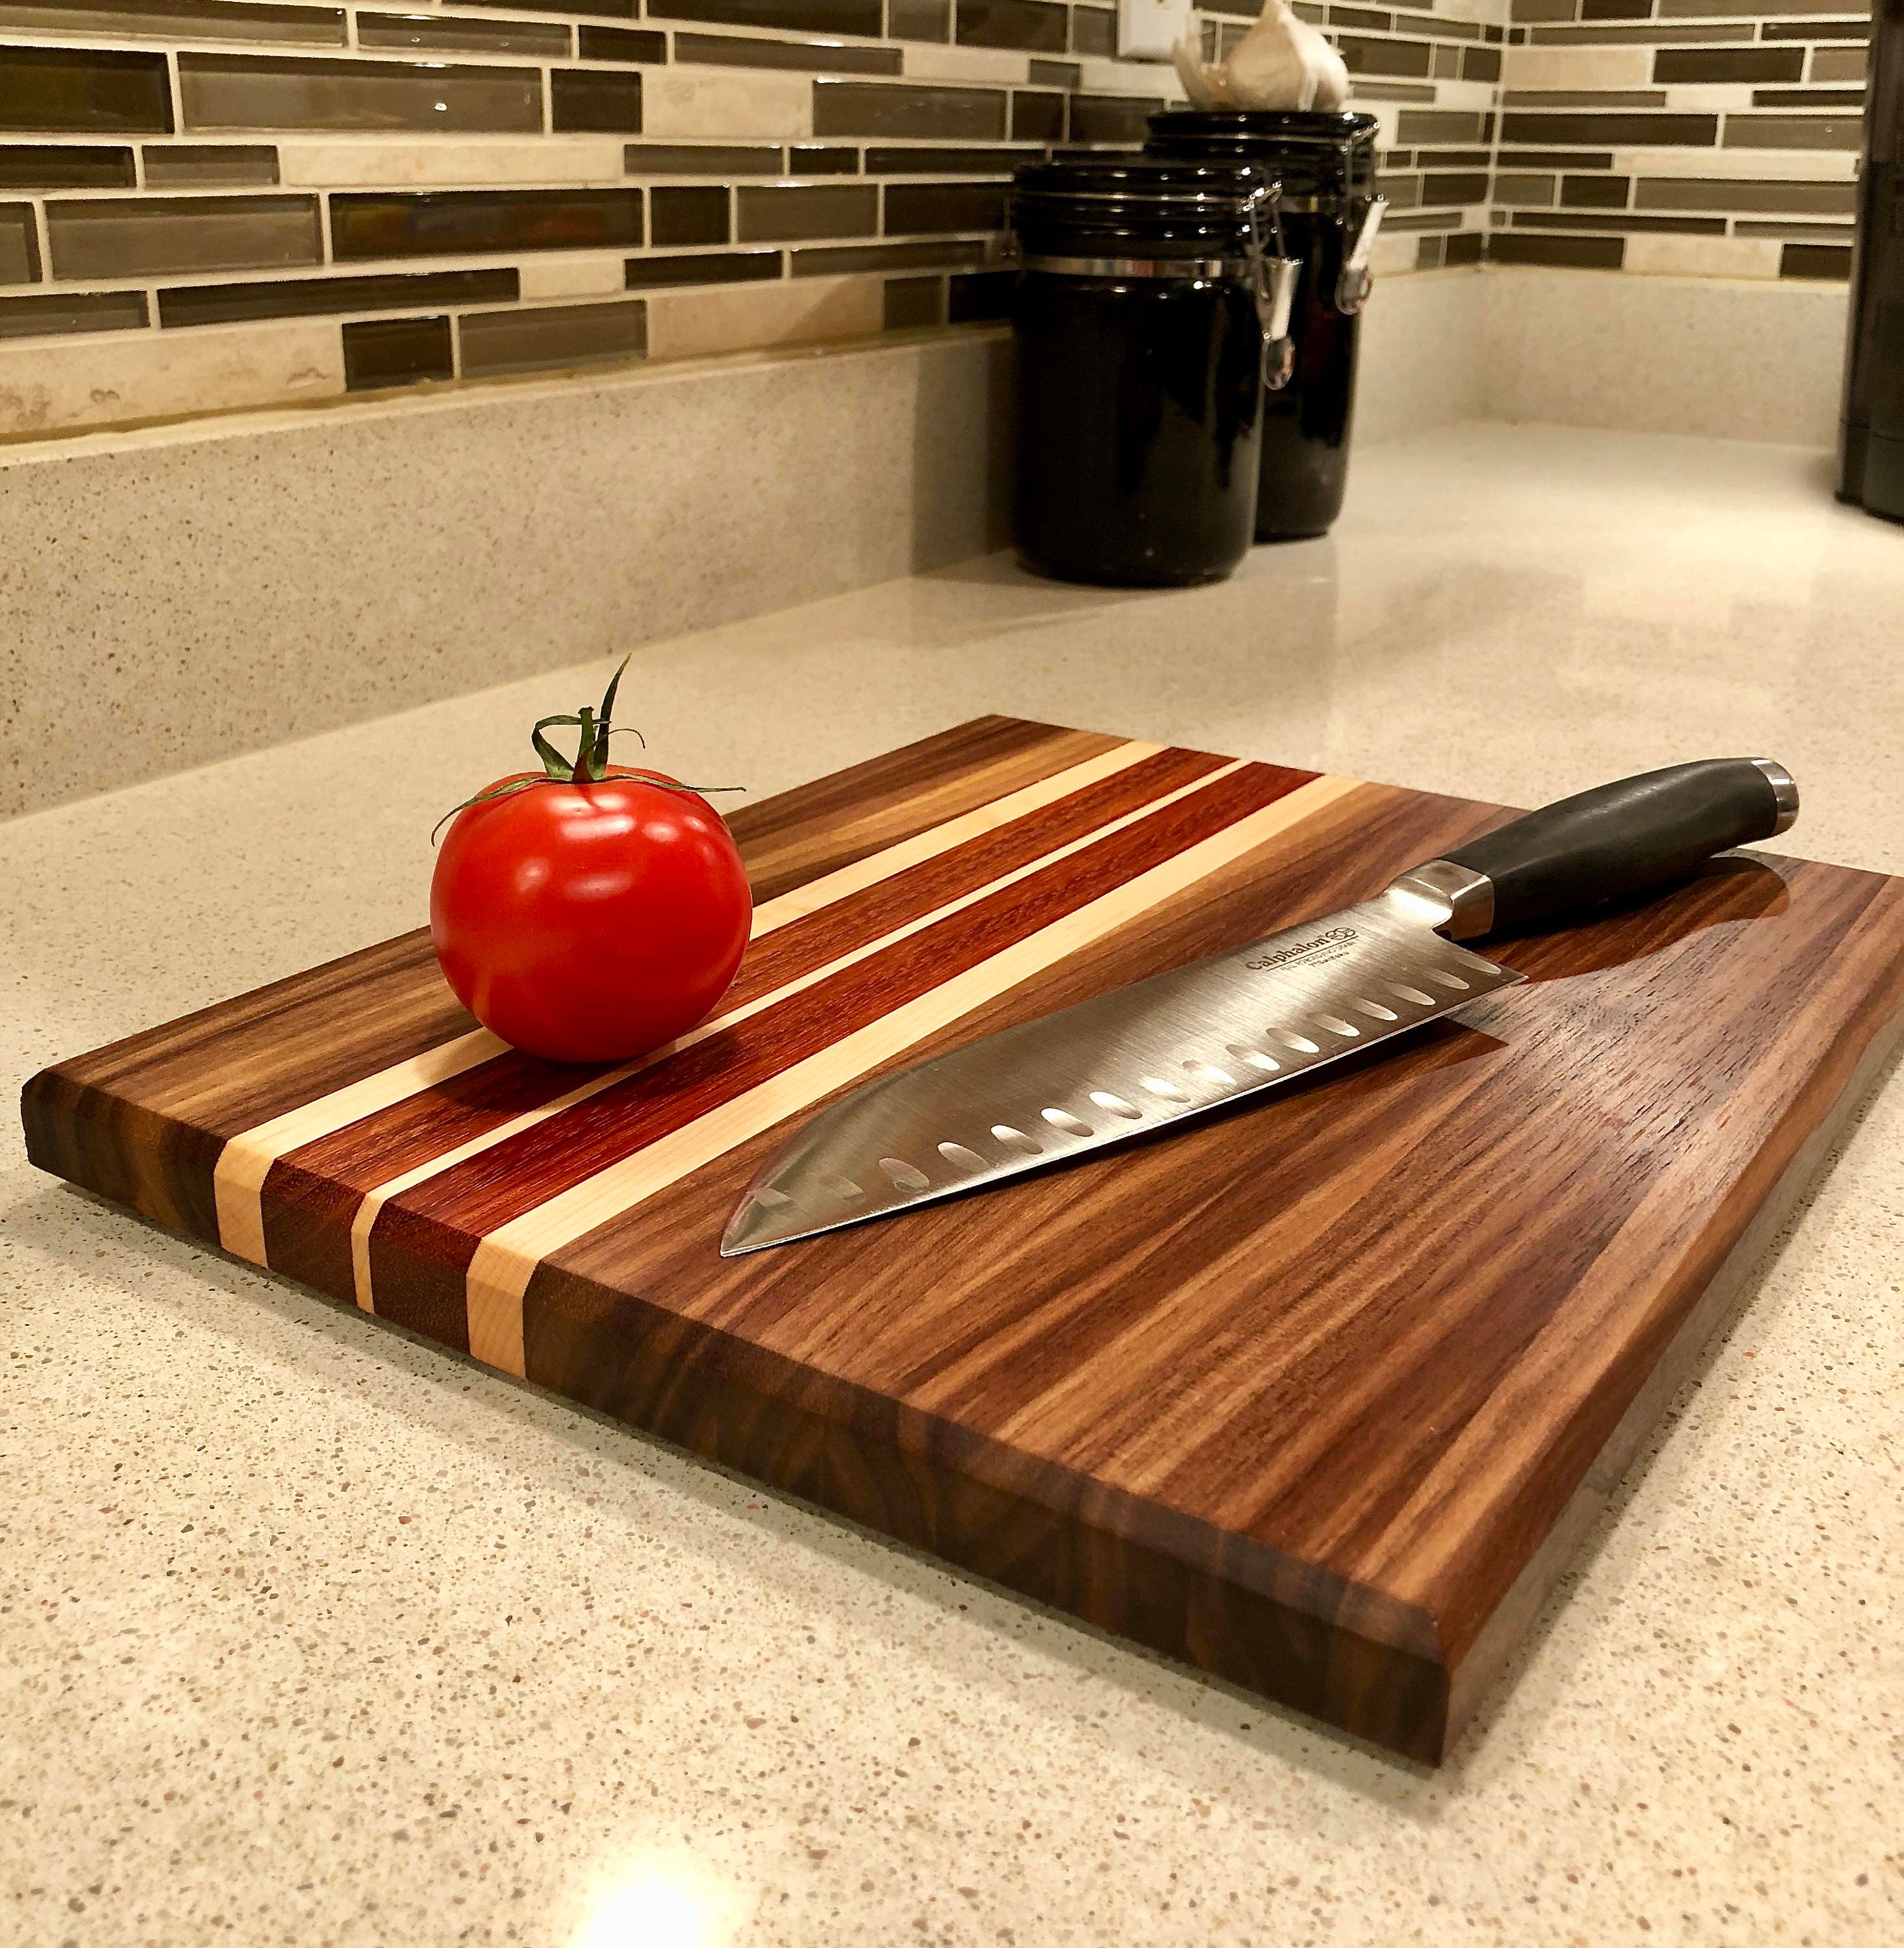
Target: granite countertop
{"type": "Point", "coordinates": [310, 1632]}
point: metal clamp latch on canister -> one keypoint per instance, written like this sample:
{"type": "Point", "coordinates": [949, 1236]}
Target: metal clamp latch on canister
{"type": "Point", "coordinates": [1275, 278]}
{"type": "Point", "coordinates": [1353, 286]}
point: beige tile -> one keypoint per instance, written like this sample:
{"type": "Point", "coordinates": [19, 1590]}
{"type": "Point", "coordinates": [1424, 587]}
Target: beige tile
{"type": "Point", "coordinates": [109, 378]}
{"type": "Point", "coordinates": [1703, 256]}
{"type": "Point", "coordinates": [1754, 165]}
{"type": "Point", "coordinates": [1708, 97]}
{"type": "Point", "coordinates": [705, 102]}
{"type": "Point", "coordinates": [1577, 67]}
{"type": "Point", "coordinates": [555, 159]}
{"type": "Point", "coordinates": [586, 273]}
{"type": "Point", "coordinates": [740, 318]}
{"type": "Point", "coordinates": [926, 62]}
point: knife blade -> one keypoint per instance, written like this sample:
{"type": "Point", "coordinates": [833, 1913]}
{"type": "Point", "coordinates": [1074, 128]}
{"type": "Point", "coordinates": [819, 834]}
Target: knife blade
{"type": "Point", "coordinates": [1240, 1023]}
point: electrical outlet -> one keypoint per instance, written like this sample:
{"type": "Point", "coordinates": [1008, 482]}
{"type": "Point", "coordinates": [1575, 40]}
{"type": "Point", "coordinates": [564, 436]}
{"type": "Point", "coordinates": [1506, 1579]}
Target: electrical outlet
{"type": "Point", "coordinates": [1149, 29]}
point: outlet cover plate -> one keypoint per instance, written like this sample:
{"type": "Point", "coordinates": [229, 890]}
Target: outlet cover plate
{"type": "Point", "coordinates": [1149, 29]}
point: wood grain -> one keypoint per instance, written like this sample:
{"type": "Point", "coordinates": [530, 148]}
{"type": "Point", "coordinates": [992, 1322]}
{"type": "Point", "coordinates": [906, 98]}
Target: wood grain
{"type": "Point", "coordinates": [1317, 1394]}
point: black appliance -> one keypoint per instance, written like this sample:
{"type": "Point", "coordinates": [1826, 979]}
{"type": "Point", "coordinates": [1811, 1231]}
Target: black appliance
{"type": "Point", "coordinates": [1871, 468]}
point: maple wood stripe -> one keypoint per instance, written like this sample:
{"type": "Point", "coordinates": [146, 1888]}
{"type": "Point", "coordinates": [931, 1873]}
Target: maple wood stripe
{"type": "Point", "coordinates": [431, 1118]}
{"type": "Point", "coordinates": [506, 1257]}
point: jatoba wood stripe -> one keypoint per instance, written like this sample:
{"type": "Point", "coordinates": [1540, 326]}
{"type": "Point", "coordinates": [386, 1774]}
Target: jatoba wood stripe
{"type": "Point", "coordinates": [542, 1162]}
{"type": "Point", "coordinates": [386, 1125]}
{"type": "Point", "coordinates": [507, 1256]}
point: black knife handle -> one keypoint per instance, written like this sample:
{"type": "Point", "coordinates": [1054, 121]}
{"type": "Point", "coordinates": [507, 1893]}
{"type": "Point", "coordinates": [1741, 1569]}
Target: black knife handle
{"type": "Point", "coordinates": [1619, 840]}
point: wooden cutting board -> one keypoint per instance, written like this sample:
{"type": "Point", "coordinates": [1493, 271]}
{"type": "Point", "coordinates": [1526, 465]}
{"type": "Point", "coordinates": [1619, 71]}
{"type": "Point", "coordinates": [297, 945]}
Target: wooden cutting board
{"type": "Point", "coordinates": [1318, 1395]}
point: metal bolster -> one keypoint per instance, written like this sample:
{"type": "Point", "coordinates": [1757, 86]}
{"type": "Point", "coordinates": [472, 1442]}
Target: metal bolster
{"type": "Point", "coordinates": [1459, 902]}
{"type": "Point", "coordinates": [1784, 792]}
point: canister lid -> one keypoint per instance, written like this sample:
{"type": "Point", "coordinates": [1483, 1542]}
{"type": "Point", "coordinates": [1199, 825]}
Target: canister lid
{"type": "Point", "coordinates": [1313, 153]}
{"type": "Point", "coordinates": [1161, 204]}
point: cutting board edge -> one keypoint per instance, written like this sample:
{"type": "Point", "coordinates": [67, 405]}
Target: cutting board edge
{"type": "Point", "coordinates": [1722, 1301]}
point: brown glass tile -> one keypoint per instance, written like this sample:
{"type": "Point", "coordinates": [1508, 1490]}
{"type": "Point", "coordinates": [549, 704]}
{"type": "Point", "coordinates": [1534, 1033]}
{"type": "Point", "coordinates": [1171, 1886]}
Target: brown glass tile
{"type": "Point", "coordinates": [1584, 97]}
{"type": "Point", "coordinates": [1794, 132]}
{"type": "Point", "coordinates": [911, 162]}
{"type": "Point", "coordinates": [1850, 99]}
{"type": "Point", "coordinates": [944, 206]}
{"type": "Point", "coordinates": [621, 10]}
{"type": "Point", "coordinates": [1036, 117]}
{"type": "Point", "coordinates": [1816, 260]}
{"type": "Point", "coordinates": [58, 165]}
{"type": "Point", "coordinates": [1367, 90]}
{"type": "Point", "coordinates": [1616, 10]}
{"type": "Point", "coordinates": [1034, 25]}
{"type": "Point", "coordinates": [842, 259]}
{"type": "Point", "coordinates": [1678, 64]}
{"type": "Point", "coordinates": [55, 315]}
{"type": "Point", "coordinates": [1654, 34]}
{"type": "Point", "coordinates": [816, 159]}
{"type": "Point", "coordinates": [815, 57]}
{"type": "Point", "coordinates": [433, 32]}
{"type": "Point", "coordinates": [699, 159]}
{"type": "Point", "coordinates": [1361, 16]}
{"type": "Point", "coordinates": [1794, 228]}
{"type": "Point", "coordinates": [307, 297]}
{"type": "Point", "coordinates": [708, 266]}
{"type": "Point", "coordinates": [1110, 118]}
{"type": "Point", "coordinates": [981, 297]}
{"type": "Point", "coordinates": [19, 245]}
{"type": "Point", "coordinates": [1621, 220]}
{"type": "Point", "coordinates": [687, 216]}
{"type": "Point", "coordinates": [620, 44]}
{"type": "Point", "coordinates": [1461, 188]}
{"type": "Point", "coordinates": [777, 214]}
{"type": "Point", "coordinates": [1464, 248]}
{"type": "Point", "coordinates": [909, 304]}
{"type": "Point", "coordinates": [1795, 199]}
{"type": "Point", "coordinates": [1838, 63]}
{"type": "Point", "coordinates": [396, 352]}
{"type": "Point", "coordinates": [1427, 252]}
{"type": "Point", "coordinates": [1054, 74]}
{"type": "Point", "coordinates": [551, 338]}
{"type": "Point", "coordinates": [918, 20]}
{"type": "Point", "coordinates": [585, 100]}
{"type": "Point", "coordinates": [1550, 159]}
{"type": "Point", "coordinates": [177, 20]}
{"type": "Point", "coordinates": [1480, 64]}
{"type": "Point", "coordinates": [1397, 58]}
{"type": "Point", "coordinates": [868, 108]}
{"type": "Point", "coordinates": [1704, 9]}
{"type": "Point", "coordinates": [209, 164]}
{"type": "Point", "coordinates": [798, 17]}
{"type": "Point", "coordinates": [256, 91]}
{"type": "Point", "coordinates": [1627, 131]}
{"type": "Point", "coordinates": [1816, 30]}
{"type": "Point", "coordinates": [1544, 10]}
{"type": "Point", "coordinates": [1596, 192]}
{"type": "Point", "coordinates": [1581, 253]}
{"type": "Point", "coordinates": [1440, 125]}
{"type": "Point", "coordinates": [84, 91]}
{"type": "Point", "coordinates": [1524, 189]}
{"type": "Point", "coordinates": [1403, 192]}
{"type": "Point", "coordinates": [1093, 31]}
{"type": "Point", "coordinates": [143, 236]}
{"type": "Point", "coordinates": [455, 223]}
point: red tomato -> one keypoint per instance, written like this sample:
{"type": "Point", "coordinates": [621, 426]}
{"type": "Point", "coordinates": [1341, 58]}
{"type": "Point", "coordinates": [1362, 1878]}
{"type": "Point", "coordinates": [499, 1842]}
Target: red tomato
{"type": "Point", "coordinates": [590, 920]}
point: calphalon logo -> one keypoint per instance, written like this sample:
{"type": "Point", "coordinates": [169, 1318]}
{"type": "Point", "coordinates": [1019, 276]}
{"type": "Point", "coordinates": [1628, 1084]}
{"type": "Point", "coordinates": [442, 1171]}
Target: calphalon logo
{"type": "Point", "coordinates": [1334, 940]}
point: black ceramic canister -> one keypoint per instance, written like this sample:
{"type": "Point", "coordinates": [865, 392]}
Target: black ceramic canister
{"type": "Point", "coordinates": [1140, 348]}
{"type": "Point", "coordinates": [1326, 165]}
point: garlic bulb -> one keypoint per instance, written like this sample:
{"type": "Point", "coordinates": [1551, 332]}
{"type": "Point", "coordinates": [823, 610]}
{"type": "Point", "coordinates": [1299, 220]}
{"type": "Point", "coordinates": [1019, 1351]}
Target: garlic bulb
{"type": "Point", "coordinates": [1281, 63]}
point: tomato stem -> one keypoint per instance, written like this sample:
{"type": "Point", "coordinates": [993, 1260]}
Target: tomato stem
{"type": "Point", "coordinates": [590, 764]}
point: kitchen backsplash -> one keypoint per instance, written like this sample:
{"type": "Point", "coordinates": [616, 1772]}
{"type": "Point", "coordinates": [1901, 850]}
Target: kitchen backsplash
{"type": "Point", "coordinates": [1712, 137]}
{"type": "Point", "coordinates": [209, 204]}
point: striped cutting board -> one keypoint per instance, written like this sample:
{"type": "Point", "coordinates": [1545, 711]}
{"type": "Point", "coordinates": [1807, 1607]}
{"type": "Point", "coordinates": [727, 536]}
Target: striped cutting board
{"type": "Point", "coordinates": [1317, 1395]}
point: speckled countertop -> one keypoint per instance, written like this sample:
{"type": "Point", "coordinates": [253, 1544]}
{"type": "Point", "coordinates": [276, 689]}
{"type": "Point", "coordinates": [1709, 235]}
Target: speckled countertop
{"type": "Point", "coordinates": [310, 1634]}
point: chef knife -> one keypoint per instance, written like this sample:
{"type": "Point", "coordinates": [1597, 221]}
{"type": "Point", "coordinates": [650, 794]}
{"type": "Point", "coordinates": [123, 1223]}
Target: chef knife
{"type": "Point", "coordinates": [1143, 1057]}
